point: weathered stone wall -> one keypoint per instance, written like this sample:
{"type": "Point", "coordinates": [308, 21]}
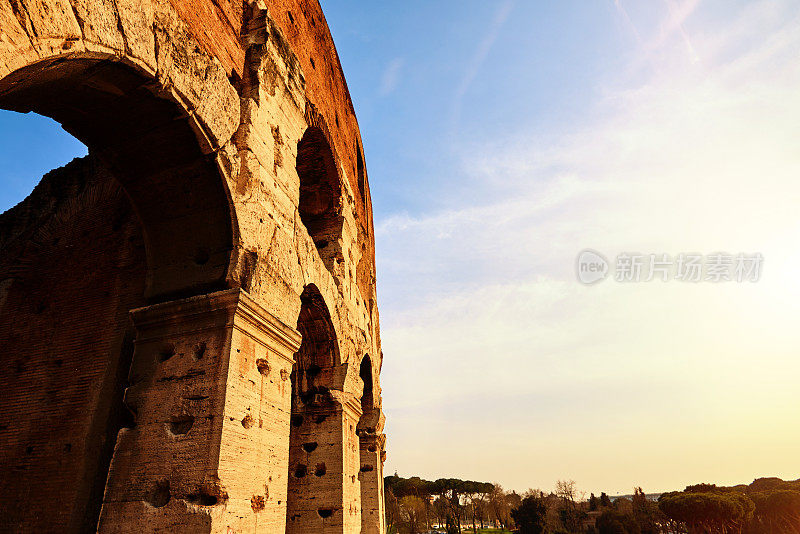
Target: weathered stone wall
{"type": "Point", "coordinates": [71, 268]}
{"type": "Point", "coordinates": [230, 128]}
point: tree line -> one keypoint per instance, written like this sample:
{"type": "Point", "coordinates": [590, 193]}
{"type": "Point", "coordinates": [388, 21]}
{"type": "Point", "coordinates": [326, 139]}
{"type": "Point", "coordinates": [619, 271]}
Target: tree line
{"type": "Point", "coordinates": [415, 505]}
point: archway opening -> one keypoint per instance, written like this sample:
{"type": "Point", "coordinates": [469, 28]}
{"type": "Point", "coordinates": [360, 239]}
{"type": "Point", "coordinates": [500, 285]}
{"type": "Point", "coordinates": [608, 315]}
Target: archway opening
{"type": "Point", "coordinates": [365, 373]}
{"type": "Point", "coordinates": [148, 143]}
{"type": "Point", "coordinates": [370, 473]}
{"type": "Point", "coordinates": [312, 436]}
{"type": "Point", "coordinates": [143, 217]}
{"type": "Point", "coordinates": [361, 174]}
{"type": "Point", "coordinates": [320, 196]}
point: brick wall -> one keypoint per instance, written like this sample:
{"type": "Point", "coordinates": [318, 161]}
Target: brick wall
{"type": "Point", "coordinates": [71, 267]}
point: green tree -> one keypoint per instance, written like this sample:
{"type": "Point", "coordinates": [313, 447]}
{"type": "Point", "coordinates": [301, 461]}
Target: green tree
{"type": "Point", "coordinates": [646, 513]}
{"type": "Point", "coordinates": [412, 515]}
{"type": "Point", "coordinates": [776, 511]}
{"type": "Point", "coordinates": [392, 507]}
{"type": "Point", "coordinates": [708, 512]}
{"type": "Point", "coordinates": [500, 504]}
{"type": "Point", "coordinates": [569, 513]}
{"type": "Point", "coordinates": [529, 516]}
{"type": "Point", "coordinates": [614, 522]}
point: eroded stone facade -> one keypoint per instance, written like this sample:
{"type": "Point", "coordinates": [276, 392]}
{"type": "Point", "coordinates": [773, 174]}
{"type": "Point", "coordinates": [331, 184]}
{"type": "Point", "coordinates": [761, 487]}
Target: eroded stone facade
{"type": "Point", "coordinates": [188, 318]}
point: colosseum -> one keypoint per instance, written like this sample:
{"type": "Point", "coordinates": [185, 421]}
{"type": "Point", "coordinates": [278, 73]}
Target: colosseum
{"type": "Point", "coordinates": [188, 316]}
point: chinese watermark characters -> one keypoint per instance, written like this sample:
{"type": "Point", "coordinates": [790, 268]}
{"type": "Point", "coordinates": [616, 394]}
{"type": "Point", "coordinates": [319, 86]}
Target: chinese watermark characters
{"type": "Point", "coordinates": [592, 267]}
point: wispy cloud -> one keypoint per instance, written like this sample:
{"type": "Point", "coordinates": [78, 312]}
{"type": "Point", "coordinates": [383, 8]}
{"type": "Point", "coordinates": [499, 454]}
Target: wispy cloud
{"type": "Point", "coordinates": [480, 55]}
{"type": "Point", "coordinates": [391, 76]}
{"type": "Point", "coordinates": [626, 17]}
{"type": "Point", "coordinates": [679, 12]}
{"type": "Point", "coordinates": [487, 319]}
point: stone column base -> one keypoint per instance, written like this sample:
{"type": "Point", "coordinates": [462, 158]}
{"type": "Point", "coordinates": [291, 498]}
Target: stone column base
{"type": "Point", "coordinates": [210, 392]}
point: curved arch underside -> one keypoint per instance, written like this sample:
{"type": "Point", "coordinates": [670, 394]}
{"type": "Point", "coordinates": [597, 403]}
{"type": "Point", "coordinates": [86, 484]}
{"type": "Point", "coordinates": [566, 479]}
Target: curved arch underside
{"type": "Point", "coordinates": [320, 195]}
{"type": "Point", "coordinates": [147, 142]}
{"type": "Point", "coordinates": [318, 357]}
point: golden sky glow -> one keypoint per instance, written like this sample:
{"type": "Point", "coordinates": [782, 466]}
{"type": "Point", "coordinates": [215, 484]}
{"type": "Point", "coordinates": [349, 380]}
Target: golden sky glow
{"type": "Point", "coordinates": [500, 366]}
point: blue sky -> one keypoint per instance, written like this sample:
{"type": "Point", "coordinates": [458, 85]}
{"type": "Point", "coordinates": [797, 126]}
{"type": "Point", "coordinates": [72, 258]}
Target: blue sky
{"type": "Point", "coordinates": [31, 146]}
{"type": "Point", "coordinates": [504, 137]}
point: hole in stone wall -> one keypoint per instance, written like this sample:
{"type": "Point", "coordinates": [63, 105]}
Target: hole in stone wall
{"type": "Point", "coordinates": [325, 513]}
{"type": "Point", "coordinates": [310, 447]}
{"type": "Point", "coordinates": [366, 468]}
{"type": "Point", "coordinates": [263, 366]}
{"type": "Point", "coordinates": [320, 195]}
{"type": "Point", "coordinates": [300, 471]}
{"type": "Point", "coordinates": [160, 495]}
{"type": "Point", "coordinates": [297, 420]}
{"type": "Point", "coordinates": [372, 448]}
{"type": "Point", "coordinates": [320, 469]}
{"type": "Point", "coordinates": [202, 498]}
{"type": "Point", "coordinates": [257, 503]}
{"type": "Point", "coordinates": [181, 424]}
{"type": "Point", "coordinates": [166, 352]}
{"type": "Point", "coordinates": [247, 422]}
{"type": "Point", "coordinates": [210, 493]}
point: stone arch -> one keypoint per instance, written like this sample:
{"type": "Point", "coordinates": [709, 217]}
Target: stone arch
{"type": "Point", "coordinates": [365, 372]}
{"type": "Point", "coordinates": [370, 418]}
{"type": "Point", "coordinates": [313, 428]}
{"type": "Point", "coordinates": [371, 444]}
{"type": "Point", "coordinates": [153, 110]}
{"type": "Point", "coordinates": [318, 358]}
{"type": "Point", "coordinates": [320, 195]}
{"type": "Point", "coordinates": [147, 140]}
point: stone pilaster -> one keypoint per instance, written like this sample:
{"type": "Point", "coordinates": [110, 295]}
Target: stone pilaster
{"type": "Point", "coordinates": [372, 450]}
{"type": "Point", "coordinates": [210, 393]}
{"type": "Point", "coordinates": [324, 490]}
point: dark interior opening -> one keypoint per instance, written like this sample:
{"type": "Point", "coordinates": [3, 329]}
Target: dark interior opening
{"type": "Point", "coordinates": [320, 196]}
{"type": "Point", "coordinates": [365, 372]}
{"type": "Point", "coordinates": [149, 146]}
{"type": "Point", "coordinates": [361, 174]}
{"type": "Point", "coordinates": [316, 363]}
